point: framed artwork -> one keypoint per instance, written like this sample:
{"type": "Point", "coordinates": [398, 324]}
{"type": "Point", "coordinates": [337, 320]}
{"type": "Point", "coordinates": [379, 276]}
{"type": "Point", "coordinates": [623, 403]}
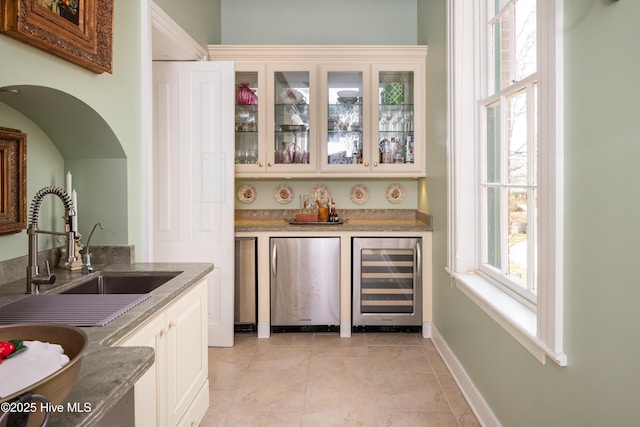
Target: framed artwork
{"type": "Point", "coordinates": [80, 31]}
{"type": "Point", "coordinates": [13, 181]}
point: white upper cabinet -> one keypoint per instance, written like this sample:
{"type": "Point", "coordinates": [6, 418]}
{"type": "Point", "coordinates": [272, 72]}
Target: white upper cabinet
{"type": "Point", "coordinates": [339, 111]}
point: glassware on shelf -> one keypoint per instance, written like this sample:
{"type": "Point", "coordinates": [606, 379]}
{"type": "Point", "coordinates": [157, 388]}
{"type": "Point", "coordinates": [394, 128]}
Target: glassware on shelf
{"type": "Point", "coordinates": [395, 116]}
{"type": "Point", "coordinates": [291, 116]}
{"type": "Point", "coordinates": [345, 117]}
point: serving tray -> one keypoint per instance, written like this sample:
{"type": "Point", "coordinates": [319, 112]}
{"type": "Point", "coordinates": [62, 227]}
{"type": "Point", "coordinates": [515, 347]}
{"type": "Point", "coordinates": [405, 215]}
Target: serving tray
{"type": "Point", "coordinates": [294, 222]}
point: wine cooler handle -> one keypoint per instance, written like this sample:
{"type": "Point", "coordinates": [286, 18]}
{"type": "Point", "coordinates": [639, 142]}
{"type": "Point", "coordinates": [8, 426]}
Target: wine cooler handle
{"type": "Point", "coordinates": [274, 257]}
{"type": "Point", "coordinates": [418, 259]}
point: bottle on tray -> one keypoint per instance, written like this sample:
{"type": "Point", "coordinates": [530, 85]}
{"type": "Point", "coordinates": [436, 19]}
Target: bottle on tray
{"type": "Point", "coordinates": [333, 215]}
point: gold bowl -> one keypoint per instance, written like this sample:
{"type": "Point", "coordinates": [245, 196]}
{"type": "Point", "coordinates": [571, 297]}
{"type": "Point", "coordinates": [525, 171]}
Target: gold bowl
{"type": "Point", "coordinates": [55, 387]}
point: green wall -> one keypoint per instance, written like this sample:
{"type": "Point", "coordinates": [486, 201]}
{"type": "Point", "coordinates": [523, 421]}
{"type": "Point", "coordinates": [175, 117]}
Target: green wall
{"type": "Point", "coordinates": [115, 99]}
{"type": "Point", "coordinates": [200, 18]}
{"type": "Point", "coordinates": [599, 387]}
{"type": "Point", "coordinates": [44, 167]}
{"type": "Point", "coordinates": [318, 22]}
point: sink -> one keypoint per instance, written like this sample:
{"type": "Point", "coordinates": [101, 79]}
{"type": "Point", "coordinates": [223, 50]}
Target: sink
{"type": "Point", "coordinates": [56, 386]}
{"type": "Point", "coordinates": [123, 282]}
{"type": "Point", "coordinates": [94, 302]}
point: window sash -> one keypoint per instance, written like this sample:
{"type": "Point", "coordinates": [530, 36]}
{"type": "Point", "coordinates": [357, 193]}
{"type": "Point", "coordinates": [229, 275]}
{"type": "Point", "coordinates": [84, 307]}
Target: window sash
{"type": "Point", "coordinates": [494, 187]}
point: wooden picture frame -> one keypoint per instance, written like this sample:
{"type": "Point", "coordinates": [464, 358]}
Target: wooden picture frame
{"type": "Point", "coordinates": [13, 181]}
{"type": "Point", "coordinates": [80, 31]}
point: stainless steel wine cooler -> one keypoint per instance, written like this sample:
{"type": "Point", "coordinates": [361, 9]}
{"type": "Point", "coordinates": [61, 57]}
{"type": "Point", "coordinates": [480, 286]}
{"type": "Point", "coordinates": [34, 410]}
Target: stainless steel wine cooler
{"type": "Point", "coordinates": [387, 281]}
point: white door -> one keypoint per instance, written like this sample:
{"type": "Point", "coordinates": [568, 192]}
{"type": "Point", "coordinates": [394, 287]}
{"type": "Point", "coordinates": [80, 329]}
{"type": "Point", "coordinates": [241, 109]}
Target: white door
{"type": "Point", "coordinates": [193, 178]}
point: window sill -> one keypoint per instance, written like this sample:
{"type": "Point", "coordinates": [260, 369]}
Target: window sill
{"type": "Point", "coordinates": [515, 317]}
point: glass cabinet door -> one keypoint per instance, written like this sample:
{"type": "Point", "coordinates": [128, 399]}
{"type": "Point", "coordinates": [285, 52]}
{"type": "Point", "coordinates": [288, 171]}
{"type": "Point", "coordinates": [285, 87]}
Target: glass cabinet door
{"type": "Point", "coordinates": [343, 96]}
{"type": "Point", "coordinates": [291, 146]}
{"type": "Point", "coordinates": [250, 119]}
{"type": "Point", "coordinates": [247, 119]}
{"type": "Point", "coordinates": [396, 119]}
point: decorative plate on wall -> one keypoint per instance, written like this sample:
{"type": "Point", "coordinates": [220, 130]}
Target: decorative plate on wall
{"type": "Point", "coordinates": [247, 193]}
{"type": "Point", "coordinates": [283, 194]}
{"type": "Point", "coordinates": [359, 194]}
{"type": "Point", "coordinates": [395, 193]}
{"type": "Point", "coordinates": [321, 192]}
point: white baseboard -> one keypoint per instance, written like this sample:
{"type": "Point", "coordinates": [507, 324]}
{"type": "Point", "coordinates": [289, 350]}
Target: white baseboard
{"type": "Point", "coordinates": [426, 330]}
{"type": "Point", "coordinates": [264, 330]}
{"type": "Point", "coordinates": [345, 330]}
{"type": "Point", "coordinates": [478, 405]}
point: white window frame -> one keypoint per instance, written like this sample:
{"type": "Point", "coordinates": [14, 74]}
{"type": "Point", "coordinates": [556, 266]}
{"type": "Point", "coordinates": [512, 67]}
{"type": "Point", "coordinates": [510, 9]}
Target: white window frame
{"type": "Point", "coordinates": [537, 324]}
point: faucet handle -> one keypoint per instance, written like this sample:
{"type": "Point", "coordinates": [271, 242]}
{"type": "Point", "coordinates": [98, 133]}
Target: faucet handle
{"type": "Point", "coordinates": [46, 263]}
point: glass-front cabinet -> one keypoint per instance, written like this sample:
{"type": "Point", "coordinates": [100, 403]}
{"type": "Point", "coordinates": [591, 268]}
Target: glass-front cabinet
{"type": "Point", "coordinates": [306, 111]}
{"type": "Point", "coordinates": [346, 128]}
{"type": "Point", "coordinates": [291, 126]}
{"type": "Point", "coordinates": [399, 118]}
{"type": "Point", "coordinates": [247, 118]}
{"type": "Point", "coordinates": [250, 118]}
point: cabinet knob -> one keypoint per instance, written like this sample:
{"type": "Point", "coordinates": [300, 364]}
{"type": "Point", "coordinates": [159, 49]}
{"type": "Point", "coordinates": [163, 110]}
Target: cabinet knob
{"type": "Point", "coordinates": [261, 164]}
{"type": "Point", "coordinates": [375, 164]}
{"type": "Point", "coordinates": [269, 164]}
{"type": "Point", "coordinates": [366, 164]}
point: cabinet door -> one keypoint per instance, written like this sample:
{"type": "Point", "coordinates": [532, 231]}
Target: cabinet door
{"type": "Point", "coordinates": [149, 391]}
{"type": "Point", "coordinates": [187, 356]}
{"type": "Point", "coordinates": [292, 122]}
{"type": "Point", "coordinates": [345, 111]}
{"type": "Point", "coordinates": [250, 119]}
{"type": "Point", "coordinates": [399, 113]}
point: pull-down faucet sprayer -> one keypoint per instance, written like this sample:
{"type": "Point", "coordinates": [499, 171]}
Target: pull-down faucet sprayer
{"type": "Point", "coordinates": [34, 278]}
{"type": "Point", "coordinates": [87, 267]}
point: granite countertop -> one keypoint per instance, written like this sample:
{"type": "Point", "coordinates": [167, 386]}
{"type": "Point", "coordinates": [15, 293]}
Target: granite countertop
{"type": "Point", "coordinates": [354, 220]}
{"type": "Point", "coordinates": [107, 372]}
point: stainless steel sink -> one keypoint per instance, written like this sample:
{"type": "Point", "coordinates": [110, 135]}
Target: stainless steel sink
{"type": "Point", "coordinates": [123, 282]}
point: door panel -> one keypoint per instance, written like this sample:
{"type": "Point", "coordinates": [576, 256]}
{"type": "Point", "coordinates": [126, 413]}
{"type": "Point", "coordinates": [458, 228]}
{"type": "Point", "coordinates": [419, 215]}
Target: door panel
{"type": "Point", "coordinates": [193, 177]}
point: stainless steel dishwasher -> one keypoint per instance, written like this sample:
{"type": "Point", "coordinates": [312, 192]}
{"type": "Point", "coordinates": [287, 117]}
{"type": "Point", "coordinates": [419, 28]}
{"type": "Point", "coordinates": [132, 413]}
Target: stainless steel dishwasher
{"type": "Point", "coordinates": [305, 282]}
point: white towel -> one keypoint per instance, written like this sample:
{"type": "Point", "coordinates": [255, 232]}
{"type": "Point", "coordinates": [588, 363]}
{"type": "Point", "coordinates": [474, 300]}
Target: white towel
{"type": "Point", "coordinates": [38, 361]}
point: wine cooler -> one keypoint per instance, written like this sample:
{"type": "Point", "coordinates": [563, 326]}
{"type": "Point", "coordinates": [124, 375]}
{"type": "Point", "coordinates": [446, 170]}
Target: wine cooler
{"type": "Point", "coordinates": [387, 281]}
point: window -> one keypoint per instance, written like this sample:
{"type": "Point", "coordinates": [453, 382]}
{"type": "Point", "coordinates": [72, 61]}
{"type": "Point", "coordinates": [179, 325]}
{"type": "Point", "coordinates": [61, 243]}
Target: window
{"type": "Point", "coordinates": [505, 164]}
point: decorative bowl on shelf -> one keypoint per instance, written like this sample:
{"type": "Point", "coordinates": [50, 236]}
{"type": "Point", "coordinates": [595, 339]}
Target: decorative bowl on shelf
{"type": "Point", "coordinates": [348, 93]}
{"type": "Point", "coordinates": [291, 96]}
{"type": "Point", "coordinates": [293, 128]}
{"type": "Point", "coordinates": [245, 95]}
{"type": "Point", "coordinates": [349, 100]}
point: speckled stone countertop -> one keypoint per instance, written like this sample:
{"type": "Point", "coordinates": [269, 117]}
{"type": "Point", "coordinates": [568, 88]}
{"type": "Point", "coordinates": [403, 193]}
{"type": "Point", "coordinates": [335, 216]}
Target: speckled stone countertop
{"type": "Point", "coordinates": [354, 220]}
{"type": "Point", "coordinates": [109, 372]}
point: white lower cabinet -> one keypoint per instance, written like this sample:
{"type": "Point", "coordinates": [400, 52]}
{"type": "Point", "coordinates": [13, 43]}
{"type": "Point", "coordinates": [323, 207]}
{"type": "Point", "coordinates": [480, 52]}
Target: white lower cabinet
{"type": "Point", "coordinates": [175, 390]}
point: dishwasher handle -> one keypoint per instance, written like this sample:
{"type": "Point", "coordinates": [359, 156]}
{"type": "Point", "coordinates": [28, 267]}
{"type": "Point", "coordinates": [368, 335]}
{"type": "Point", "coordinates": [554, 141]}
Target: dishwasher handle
{"type": "Point", "coordinates": [274, 258]}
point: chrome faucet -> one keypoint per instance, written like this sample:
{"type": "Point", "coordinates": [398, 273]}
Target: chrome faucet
{"type": "Point", "coordinates": [87, 267]}
{"type": "Point", "coordinates": [34, 278]}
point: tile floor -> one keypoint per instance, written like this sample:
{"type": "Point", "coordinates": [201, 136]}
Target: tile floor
{"type": "Point", "coordinates": [320, 379]}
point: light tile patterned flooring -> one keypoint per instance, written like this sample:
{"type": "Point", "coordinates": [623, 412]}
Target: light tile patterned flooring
{"type": "Point", "coordinates": [320, 379]}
